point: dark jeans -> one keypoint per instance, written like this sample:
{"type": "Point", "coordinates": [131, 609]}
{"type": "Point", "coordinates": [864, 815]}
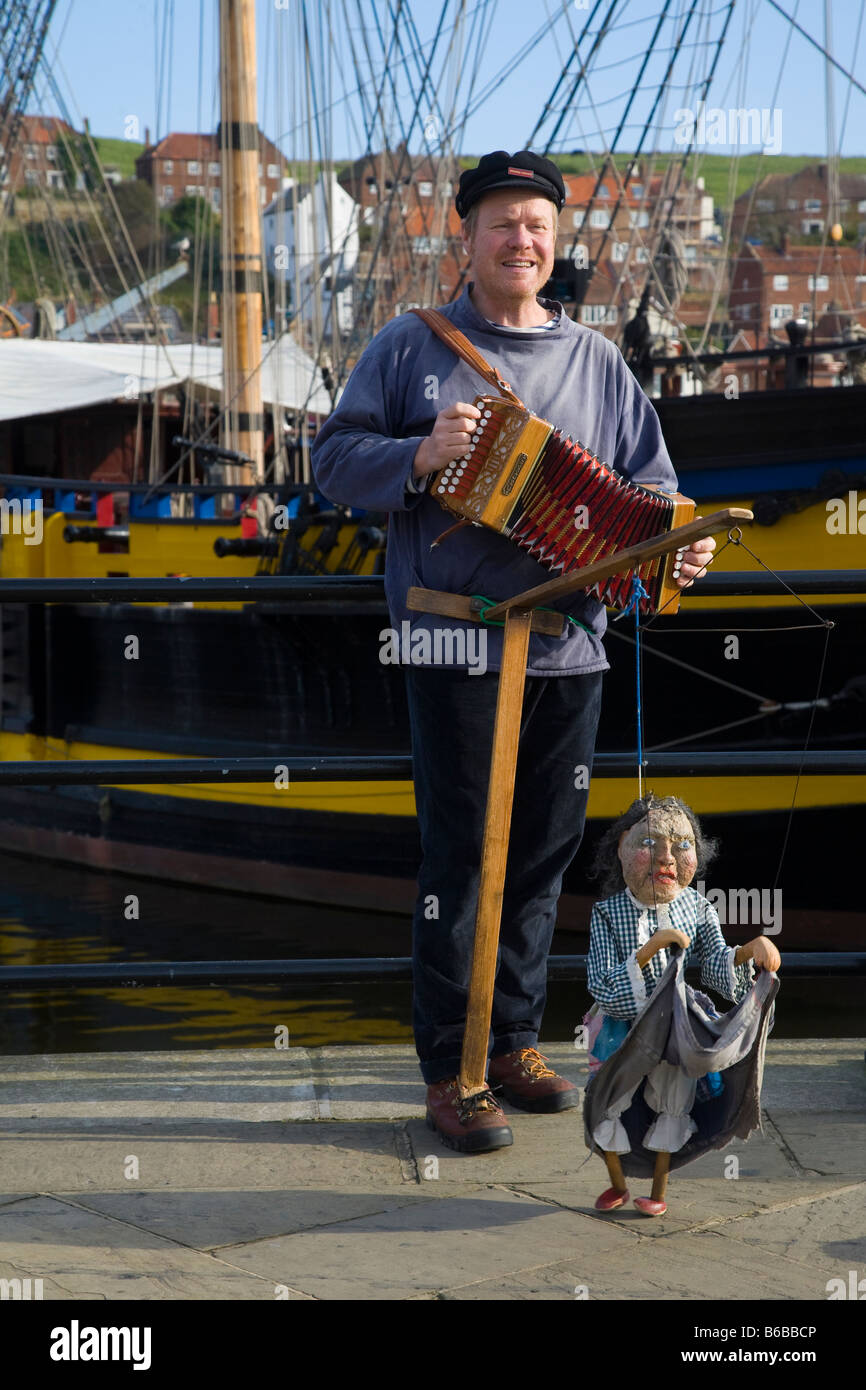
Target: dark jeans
{"type": "Point", "coordinates": [452, 715]}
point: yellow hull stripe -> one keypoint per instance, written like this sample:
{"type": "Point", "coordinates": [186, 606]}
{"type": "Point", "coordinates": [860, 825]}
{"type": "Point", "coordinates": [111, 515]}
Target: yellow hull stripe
{"type": "Point", "coordinates": [608, 795]}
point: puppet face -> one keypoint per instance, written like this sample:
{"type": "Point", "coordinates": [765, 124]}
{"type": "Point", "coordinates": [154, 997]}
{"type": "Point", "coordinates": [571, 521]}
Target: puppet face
{"type": "Point", "coordinates": [658, 856]}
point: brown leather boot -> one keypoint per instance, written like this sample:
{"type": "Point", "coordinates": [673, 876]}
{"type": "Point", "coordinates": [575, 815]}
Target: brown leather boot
{"type": "Point", "coordinates": [471, 1126]}
{"type": "Point", "coordinates": [527, 1082]}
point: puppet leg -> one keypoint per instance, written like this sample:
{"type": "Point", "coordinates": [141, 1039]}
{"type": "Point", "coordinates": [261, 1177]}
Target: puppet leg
{"type": "Point", "coordinates": [617, 1194]}
{"type": "Point", "coordinates": [656, 1204]}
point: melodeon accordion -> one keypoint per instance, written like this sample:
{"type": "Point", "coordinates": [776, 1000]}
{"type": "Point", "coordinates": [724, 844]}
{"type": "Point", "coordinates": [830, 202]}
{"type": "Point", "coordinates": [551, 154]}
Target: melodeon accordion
{"type": "Point", "coordinates": [551, 496]}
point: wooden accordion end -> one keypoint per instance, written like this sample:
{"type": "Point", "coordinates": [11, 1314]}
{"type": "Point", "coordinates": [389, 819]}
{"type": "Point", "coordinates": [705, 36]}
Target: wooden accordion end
{"type": "Point", "coordinates": [555, 499]}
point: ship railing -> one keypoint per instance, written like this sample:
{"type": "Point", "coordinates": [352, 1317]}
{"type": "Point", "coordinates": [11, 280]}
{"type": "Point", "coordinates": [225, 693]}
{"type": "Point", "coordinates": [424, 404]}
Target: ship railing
{"type": "Point", "coordinates": [346, 594]}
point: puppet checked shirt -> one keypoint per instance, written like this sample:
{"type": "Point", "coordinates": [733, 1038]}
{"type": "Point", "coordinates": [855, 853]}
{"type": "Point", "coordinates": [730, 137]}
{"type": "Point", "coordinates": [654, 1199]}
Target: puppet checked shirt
{"type": "Point", "coordinates": [620, 925]}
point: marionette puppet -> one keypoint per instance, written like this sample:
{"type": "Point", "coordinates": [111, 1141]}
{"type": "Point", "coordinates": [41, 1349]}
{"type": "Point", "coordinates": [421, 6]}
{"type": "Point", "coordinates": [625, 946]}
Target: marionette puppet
{"type": "Point", "coordinates": [670, 1077]}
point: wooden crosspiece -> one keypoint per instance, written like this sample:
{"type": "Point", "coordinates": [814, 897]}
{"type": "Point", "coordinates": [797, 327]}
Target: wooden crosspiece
{"type": "Point", "coordinates": [521, 616]}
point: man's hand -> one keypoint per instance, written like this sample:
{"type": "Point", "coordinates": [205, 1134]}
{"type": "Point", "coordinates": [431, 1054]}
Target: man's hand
{"type": "Point", "coordinates": [695, 560]}
{"type": "Point", "coordinates": [450, 438]}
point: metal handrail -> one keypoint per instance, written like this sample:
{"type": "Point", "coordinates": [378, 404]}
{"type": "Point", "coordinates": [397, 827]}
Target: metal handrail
{"type": "Point", "coordinates": [349, 970]}
{"type": "Point", "coordinates": [311, 589]}
{"type": "Point", "coordinates": [723, 762]}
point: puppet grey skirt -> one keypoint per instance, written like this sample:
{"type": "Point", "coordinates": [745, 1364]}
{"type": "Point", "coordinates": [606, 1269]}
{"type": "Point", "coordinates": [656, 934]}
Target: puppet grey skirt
{"type": "Point", "coordinates": [642, 1099]}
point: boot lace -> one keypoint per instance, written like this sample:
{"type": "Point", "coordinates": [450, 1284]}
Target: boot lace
{"type": "Point", "coordinates": [468, 1106]}
{"type": "Point", "coordinates": [533, 1063]}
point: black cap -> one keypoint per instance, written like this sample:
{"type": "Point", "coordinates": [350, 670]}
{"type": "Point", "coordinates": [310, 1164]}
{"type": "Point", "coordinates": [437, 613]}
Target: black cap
{"type": "Point", "coordinates": [532, 172]}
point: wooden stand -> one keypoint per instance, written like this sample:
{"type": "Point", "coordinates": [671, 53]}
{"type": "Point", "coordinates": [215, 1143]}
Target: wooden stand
{"type": "Point", "coordinates": [521, 616]}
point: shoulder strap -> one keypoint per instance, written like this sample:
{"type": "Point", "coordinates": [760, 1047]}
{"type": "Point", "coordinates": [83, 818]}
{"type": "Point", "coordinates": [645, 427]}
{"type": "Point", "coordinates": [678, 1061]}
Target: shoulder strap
{"type": "Point", "coordinates": [460, 344]}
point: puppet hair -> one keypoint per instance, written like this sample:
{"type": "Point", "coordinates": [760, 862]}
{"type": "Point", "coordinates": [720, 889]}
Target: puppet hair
{"type": "Point", "coordinates": [607, 869]}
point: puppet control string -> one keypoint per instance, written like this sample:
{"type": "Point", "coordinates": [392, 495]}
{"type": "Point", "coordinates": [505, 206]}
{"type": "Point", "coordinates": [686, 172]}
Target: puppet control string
{"type": "Point", "coordinates": [735, 537]}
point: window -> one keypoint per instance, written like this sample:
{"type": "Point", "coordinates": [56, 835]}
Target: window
{"type": "Point", "coordinates": [780, 282]}
{"type": "Point", "coordinates": [812, 205]}
{"type": "Point", "coordinates": [263, 195]}
{"type": "Point", "coordinates": [766, 205]}
{"type": "Point", "coordinates": [51, 154]}
{"type": "Point", "coordinates": [861, 206]}
{"type": "Point", "coordinates": [805, 311]}
{"type": "Point", "coordinates": [214, 168]}
{"type": "Point", "coordinates": [425, 189]}
{"type": "Point", "coordinates": [215, 197]}
{"type": "Point", "coordinates": [168, 166]}
{"type": "Point", "coordinates": [31, 175]}
{"type": "Point", "coordinates": [598, 313]}
{"type": "Point", "coordinates": [193, 166]}
{"type": "Point", "coordinates": [793, 204]}
{"type": "Point", "coordinates": [577, 218]}
{"type": "Point", "coordinates": [598, 218]}
{"type": "Point", "coordinates": [428, 245]}
{"type": "Point", "coordinates": [818, 282]}
{"type": "Point", "coordinates": [620, 251]}
{"type": "Point", "coordinates": [447, 189]}
{"type": "Point", "coordinates": [636, 190]}
{"type": "Point", "coordinates": [638, 219]}
{"type": "Point", "coordinates": [780, 313]}
{"type": "Point", "coordinates": [167, 193]}
{"type": "Point", "coordinates": [642, 255]}
{"type": "Point", "coordinates": [604, 191]}
{"type": "Point", "coordinates": [844, 205]}
{"type": "Point", "coordinates": [55, 178]}
{"type": "Point", "coordinates": [372, 186]}
{"type": "Point", "coordinates": [260, 171]}
{"type": "Point", "coordinates": [691, 253]}
{"type": "Point", "coordinates": [812, 228]}
{"type": "Point", "coordinates": [192, 190]}
{"type": "Point", "coordinates": [273, 171]}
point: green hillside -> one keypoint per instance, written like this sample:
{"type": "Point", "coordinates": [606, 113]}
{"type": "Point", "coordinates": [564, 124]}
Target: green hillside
{"type": "Point", "coordinates": [121, 154]}
{"type": "Point", "coordinates": [715, 169]}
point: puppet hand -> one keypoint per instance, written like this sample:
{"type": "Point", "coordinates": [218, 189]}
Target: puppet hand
{"type": "Point", "coordinates": [670, 936]}
{"type": "Point", "coordinates": [764, 953]}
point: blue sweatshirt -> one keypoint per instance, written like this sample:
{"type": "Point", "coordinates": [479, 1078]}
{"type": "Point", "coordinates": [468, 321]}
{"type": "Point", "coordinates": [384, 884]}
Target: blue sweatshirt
{"type": "Point", "coordinates": [569, 375]}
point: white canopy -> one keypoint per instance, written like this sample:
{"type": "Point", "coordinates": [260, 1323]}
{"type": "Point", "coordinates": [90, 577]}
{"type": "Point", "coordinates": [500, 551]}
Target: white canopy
{"type": "Point", "coordinates": [38, 377]}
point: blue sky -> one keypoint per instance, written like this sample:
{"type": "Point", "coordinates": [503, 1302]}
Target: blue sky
{"type": "Point", "coordinates": [104, 54]}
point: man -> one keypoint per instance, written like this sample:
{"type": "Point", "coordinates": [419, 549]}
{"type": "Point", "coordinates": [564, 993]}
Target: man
{"type": "Point", "coordinates": [404, 414]}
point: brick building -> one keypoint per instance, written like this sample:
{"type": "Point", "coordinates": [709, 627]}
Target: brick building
{"type": "Point", "coordinates": [181, 165]}
{"type": "Point", "coordinates": [36, 158]}
{"type": "Point", "coordinates": [798, 205]}
{"type": "Point", "coordinates": [825, 286]}
{"type": "Point", "coordinates": [410, 251]}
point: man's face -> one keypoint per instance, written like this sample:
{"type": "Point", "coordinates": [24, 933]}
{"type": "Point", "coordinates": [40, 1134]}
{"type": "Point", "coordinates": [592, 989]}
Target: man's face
{"type": "Point", "coordinates": [658, 859]}
{"type": "Point", "coordinates": [512, 245]}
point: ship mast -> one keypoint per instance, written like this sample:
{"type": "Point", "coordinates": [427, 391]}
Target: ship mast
{"type": "Point", "coordinates": [241, 247]}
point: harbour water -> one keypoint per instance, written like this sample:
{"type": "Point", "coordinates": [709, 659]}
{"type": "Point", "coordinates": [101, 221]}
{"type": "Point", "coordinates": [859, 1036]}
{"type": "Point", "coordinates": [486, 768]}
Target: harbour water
{"type": "Point", "coordinates": [53, 913]}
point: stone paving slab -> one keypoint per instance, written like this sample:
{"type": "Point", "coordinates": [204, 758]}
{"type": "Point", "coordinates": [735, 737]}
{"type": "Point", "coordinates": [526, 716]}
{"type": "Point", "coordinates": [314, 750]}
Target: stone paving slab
{"type": "Point", "coordinates": [210, 1220]}
{"type": "Point", "coordinates": [703, 1266]}
{"type": "Point", "coordinates": [314, 1170]}
{"type": "Point", "coordinates": [822, 1142]}
{"type": "Point", "coordinates": [254, 1084]}
{"type": "Point", "coordinates": [421, 1249]}
{"type": "Point", "coordinates": [205, 1157]}
{"type": "Point", "coordinates": [827, 1234]}
{"type": "Point", "coordinates": [82, 1255]}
